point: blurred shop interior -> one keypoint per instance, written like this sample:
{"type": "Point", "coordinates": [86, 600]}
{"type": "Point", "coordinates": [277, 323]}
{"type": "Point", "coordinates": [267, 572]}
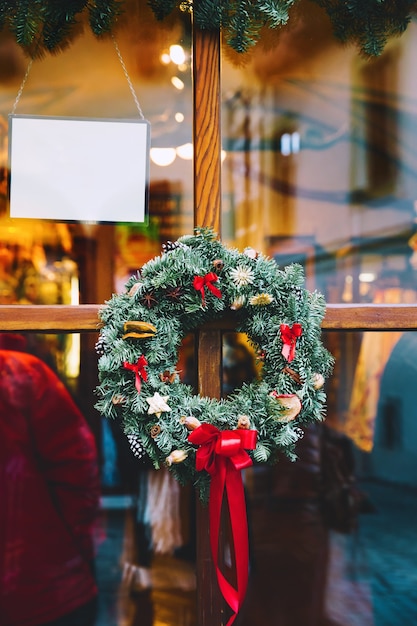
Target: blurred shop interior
{"type": "Point", "coordinates": [319, 167]}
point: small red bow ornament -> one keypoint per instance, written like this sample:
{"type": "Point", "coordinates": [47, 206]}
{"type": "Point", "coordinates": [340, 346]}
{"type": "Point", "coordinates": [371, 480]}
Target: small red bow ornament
{"type": "Point", "coordinates": [139, 369]}
{"type": "Point", "coordinates": [289, 336]}
{"type": "Point", "coordinates": [200, 282]}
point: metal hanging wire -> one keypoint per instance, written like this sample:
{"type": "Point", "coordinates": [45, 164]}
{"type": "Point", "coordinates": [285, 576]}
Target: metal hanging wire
{"type": "Point", "coordinates": [19, 93]}
{"type": "Point", "coordinates": [122, 63]}
{"type": "Point", "coordinates": [129, 82]}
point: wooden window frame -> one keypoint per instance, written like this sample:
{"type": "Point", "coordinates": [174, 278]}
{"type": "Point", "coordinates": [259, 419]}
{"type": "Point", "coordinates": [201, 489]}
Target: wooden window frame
{"type": "Point", "coordinates": [207, 212]}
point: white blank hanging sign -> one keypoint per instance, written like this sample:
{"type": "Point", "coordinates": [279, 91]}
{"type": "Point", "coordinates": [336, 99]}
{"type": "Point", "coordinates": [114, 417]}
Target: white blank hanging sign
{"type": "Point", "coordinates": [72, 169]}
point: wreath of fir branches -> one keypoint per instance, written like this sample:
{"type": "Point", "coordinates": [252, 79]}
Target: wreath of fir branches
{"type": "Point", "coordinates": [195, 280]}
{"type": "Point", "coordinates": [48, 25]}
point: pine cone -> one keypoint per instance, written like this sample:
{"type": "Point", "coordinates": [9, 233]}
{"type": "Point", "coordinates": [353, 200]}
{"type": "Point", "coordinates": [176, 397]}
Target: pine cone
{"type": "Point", "coordinates": [137, 447]}
{"type": "Point", "coordinates": [170, 245]}
{"type": "Point", "coordinates": [100, 346]}
{"type": "Point", "coordinates": [299, 293]}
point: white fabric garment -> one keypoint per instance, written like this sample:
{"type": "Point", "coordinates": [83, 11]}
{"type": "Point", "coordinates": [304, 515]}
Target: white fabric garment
{"type": "Point", "coordinates": [163, 511]}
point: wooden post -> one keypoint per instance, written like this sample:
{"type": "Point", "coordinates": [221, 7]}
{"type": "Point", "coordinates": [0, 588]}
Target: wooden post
{"type": "Point", "coordinates": [206, 129]}
{"type": "Point", "coordinates": [207, 213]}
{"type": "Point", "coordinates": [211, 608]}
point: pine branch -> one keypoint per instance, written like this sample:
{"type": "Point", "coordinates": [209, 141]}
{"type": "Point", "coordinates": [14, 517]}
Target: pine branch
{"type": "Point", "coordinates": [25, 19]}
{"type": "Point", "coordinates": [103, 15]}
{"type": "Point", "coordinates": [7, 7]}
{"type": "Point", "coordinates": [58, 29]}
{"type": "Point", "coordinates": [368, 23]}
{"type": "Point", "coordinates": [162, 8]}
{"type": "Point", "coordinates": [49, 25]}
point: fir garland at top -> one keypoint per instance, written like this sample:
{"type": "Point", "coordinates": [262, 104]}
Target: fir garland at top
{"type": "Point", "coordinates": [48, 25]}
{"type": "Point", "coordinates": [193, 281]}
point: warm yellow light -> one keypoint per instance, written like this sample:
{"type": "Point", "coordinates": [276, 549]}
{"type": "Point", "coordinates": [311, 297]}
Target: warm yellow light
{"type": "Point", "coordinates": [185, 151]}
{"type": "Point", "coordinates": [73, 348]}
{"type": "Point", "coordinates": [177, 54]}
{"type": "Point", "coordinates": [367, 277]}
{"type": "Point", "coordinates": [177, 82]}
{"type": "Point", "coordinates": [165, 58]}
{"type": "Point", "coordinates": [163, 156]}
{"type": "Point", "coordinates": [75, 290]}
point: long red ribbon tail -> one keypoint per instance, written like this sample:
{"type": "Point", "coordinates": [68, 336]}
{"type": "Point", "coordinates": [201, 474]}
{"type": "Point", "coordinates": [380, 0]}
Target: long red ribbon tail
{"type": "Point", "coordinates": [223, 454]}
{"type": "Point", "coordinates": [228, 479]}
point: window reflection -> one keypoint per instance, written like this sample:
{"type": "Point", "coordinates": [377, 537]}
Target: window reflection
{"type": "Point", "coordinates": [321, 150]}
{"type": "Point", "coordinates": [50, 263]}
{"type": "Point", "coordinates": [320, 170]}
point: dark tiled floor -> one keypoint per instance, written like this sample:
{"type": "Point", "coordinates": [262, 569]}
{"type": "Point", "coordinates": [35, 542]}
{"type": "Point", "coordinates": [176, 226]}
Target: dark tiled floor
{"type": "Point", "coordinates": [372, 577]}
{"type": "Point", "coordinates": [388, 545]}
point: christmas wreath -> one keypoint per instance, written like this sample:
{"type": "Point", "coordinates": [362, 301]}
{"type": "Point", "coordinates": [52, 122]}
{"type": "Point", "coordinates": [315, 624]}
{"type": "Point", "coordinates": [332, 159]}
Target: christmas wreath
{"type": "Point", "coordinates": [195, 280]}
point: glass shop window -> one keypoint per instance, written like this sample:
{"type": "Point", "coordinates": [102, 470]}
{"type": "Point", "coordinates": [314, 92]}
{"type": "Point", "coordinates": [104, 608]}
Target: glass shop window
{"type": "Point", "coordinates": [44, 262]}
{"type": "Point", "coordinates": [47, 262]}
{"type": "Point", "coordinates": [319, 169]}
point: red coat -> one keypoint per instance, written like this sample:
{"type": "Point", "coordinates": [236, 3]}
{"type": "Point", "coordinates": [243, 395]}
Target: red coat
{"type": "Point", "coordinates": [49, 491]}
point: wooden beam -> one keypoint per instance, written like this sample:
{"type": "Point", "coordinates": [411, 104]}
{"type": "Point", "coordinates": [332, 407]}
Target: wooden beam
{"type": "Point", "coordinates": [370, 317]}
{"type": "Point", "coordinates": [50, 319]}
{"type": "Point", "coordinates": [85, 317]}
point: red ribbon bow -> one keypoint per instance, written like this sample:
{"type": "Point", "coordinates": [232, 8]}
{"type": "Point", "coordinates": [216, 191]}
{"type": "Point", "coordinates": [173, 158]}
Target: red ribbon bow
{"type": "Point", "coordinates": [139, 369]}
{"type": "Point", "coordinates": [200, 282]}
{"type": "Point", "coordinates": [289, 337]}
{"type": "Point", "coordinates": [223, 455]}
